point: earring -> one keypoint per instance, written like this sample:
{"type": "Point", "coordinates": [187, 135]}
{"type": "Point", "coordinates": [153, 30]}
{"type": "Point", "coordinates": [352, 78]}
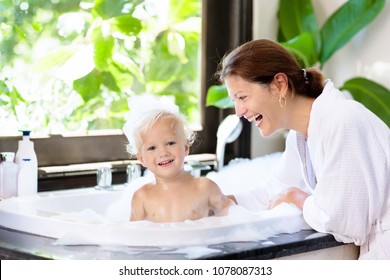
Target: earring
{"type": "Point", "coordinates": [282, 101]}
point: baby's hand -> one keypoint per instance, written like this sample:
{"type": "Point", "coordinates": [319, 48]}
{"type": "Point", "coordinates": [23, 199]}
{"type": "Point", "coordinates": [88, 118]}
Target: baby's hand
{"type": "Point", "coordinates": [232, 198]}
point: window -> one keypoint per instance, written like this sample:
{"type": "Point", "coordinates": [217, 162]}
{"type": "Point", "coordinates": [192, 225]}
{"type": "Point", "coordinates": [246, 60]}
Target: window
{"type": "Point", "coordinates": [100, 41]}
{"type": "Point", "coordinates": [70, 66]}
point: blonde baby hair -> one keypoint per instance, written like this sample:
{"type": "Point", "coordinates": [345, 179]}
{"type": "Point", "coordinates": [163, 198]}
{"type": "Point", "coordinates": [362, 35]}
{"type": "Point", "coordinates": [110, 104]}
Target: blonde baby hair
{"type": "Point", "coordinates": [145, 112]}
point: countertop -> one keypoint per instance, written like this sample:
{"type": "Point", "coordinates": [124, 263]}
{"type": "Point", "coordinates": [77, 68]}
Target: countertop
{"type": "Point", "coordinates": [20, 245]}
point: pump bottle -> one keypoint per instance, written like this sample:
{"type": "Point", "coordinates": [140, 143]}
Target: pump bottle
{"type": "Point", "coordinates": [28, 164]}
{"type": "Point", "coordinates": [8, 175]}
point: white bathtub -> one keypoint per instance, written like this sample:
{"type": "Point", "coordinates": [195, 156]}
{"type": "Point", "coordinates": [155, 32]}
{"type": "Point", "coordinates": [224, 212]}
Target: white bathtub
{"type": "Point", "coordinates": [89, 216]}
{"type": "Point", "coordinates": [79, 217]}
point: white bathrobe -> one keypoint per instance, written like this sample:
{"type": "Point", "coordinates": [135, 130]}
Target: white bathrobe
{"type": "Point", "coordinates": [345, 165]}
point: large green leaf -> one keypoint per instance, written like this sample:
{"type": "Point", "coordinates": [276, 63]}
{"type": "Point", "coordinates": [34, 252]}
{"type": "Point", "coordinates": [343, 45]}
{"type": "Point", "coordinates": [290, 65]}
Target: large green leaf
{"type": "Point", "coordinates": [20, 32]}
{"type": "Point", "coordinates": [123, 77]}
{"type": "Point", "coordinates": [55, 58]}
{"type": "Point", "coordinates": [88, 86]}
{"type": "Point", "coordinates": [103, 49]}
{"type": "Point", "coordinates": [165, 65]}
{"type": "Point", "coordinates": [124, 65]}
{"type": "Point", "coordinates": [127, 25]}
{"type": "Point", "coordinates": [4, 88]}
{"type": "Point", "coordinates": [345, 23]}
{"type": "Point", "coordinates": [13, 97]}
{"type": "Point", "coordinates": [217, 95]}
{"type": "Point", "coordinates": [296, 17]}
{"type": "Point", "coordinates": [373, 95]}
{"type": "Point", "coordinates": [176, 45]}
{"type": "Point", "coordinates": [109, 81]}
{"type": "Point", "coordinates": [180, 10]}
{"type": "Point", "coordinates": [304, 49]}
{"type": "Point", "coordinates": [113, 8]}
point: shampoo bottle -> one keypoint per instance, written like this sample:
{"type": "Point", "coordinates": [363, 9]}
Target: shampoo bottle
{"type": "Point", "coordinates": [28, 164]}
{"type": "Point", "coordinates": [8, 175]}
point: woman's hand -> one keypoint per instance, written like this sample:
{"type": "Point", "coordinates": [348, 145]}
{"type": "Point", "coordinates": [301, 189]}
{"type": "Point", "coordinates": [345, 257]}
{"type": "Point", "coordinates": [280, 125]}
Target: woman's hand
{"type": "Point", "coordinates": [292, 195]}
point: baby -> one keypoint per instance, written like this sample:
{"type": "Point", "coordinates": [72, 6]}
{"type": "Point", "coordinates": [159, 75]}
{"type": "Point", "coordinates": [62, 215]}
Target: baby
{"type": "Point", "coordinates": [161, 140]}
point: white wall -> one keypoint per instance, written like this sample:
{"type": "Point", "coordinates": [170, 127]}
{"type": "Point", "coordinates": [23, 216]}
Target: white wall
{"type": "Point", "coordinates": [367, 54]}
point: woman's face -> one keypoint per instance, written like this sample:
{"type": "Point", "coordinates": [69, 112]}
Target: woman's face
{"type": "Point", "coordinates": [257, 103]}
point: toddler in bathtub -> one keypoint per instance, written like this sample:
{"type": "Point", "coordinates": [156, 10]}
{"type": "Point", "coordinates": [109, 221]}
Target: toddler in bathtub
{"type": "Point", "coordinates": [160, 139]}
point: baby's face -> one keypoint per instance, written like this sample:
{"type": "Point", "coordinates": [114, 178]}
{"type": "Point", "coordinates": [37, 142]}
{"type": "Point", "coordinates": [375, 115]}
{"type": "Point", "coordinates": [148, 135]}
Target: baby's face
{"type": "Point", "coordinates": [164, 148]}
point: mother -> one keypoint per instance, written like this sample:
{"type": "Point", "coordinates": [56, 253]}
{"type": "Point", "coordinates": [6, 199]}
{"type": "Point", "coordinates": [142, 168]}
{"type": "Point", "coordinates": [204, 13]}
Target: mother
{"type": "Point", "coordinates": [336, 165]}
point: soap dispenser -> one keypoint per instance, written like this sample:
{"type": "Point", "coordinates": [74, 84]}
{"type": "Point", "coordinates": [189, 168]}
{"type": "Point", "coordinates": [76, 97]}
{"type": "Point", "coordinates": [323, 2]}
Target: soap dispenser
{"type": "Point", "coordinates": [9, 172]}
{"type": "Point", "coordinates": [28, 164]}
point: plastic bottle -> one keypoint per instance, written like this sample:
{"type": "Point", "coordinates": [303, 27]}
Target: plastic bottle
{"type": "Point", "coordinates": [28, 164]}
{"type": "Point", "coordinates": [9, 172]}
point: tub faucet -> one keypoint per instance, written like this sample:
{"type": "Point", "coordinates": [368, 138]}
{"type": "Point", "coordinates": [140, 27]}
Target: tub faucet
{"type": "Point", "coordinates": [104, 178]}
{"type": "Point", "coordinates": [228, 131]}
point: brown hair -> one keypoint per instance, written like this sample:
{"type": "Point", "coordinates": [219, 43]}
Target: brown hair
{"type": "Point", "coordinates": [260, 60]}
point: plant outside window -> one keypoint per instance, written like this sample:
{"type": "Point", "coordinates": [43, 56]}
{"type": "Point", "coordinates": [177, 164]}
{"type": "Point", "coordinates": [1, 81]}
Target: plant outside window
{"type": "Point", "coordinates": [71, 65]}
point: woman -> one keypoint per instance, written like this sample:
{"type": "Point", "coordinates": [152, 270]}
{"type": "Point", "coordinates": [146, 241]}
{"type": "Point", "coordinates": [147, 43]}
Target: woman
{"type": "Point", "coordinates": [336, 166]}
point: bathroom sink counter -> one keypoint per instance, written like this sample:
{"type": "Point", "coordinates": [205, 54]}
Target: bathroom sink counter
{"type": "Point", "coordinates": [306, 244]}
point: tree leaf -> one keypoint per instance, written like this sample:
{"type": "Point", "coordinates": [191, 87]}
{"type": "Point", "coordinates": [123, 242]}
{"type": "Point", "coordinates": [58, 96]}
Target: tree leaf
{"type": "Point", "coordinates": [37, 25]}
{"type": "Point", "coordinates": [126, 65]}
{"type": "Point", "coordinates": [304, 49]}
{"type": "Point", "coordinates": [180, 10]}
{"type": "Point", "coordinates": [109, 8]}
{"type": "Point", "coordinates": [103, 50]}
{"type": "Point", "coordinates": [124, 78]}
{"type": "Point", "coordinates": [55, 58]}
{"type": "Point", "coordinates": [88, 86]}
{"type": "Point", "coordinates": [20, 32]}
{"type": "Point", "coordinates": [373, 95]}
{"type": "Point", "coordinates": [343, 24]}
{"type": "Point", "coordinates": [217, 95]}
{"type": "Point", "coordinates": [109, 81]}
{"type": "Point", "coordinates": [4, 88]}
{"type": "Point", "coordinates": [177, 45]}
{"type": "Point", "coordinates": [296, 17]}
{"type": "Point", "coordinates": [127, 25]}
{"type": "Point", "coordinates": [16, 97]}
{"type": "Point", "coordinates": [165, 65]}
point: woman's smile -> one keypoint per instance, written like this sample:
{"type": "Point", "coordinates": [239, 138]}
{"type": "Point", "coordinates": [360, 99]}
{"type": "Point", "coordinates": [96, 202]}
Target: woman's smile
{"type": "Point", "coordinates": [257, 118]}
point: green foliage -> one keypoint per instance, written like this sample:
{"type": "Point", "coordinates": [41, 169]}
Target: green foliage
{"type": "Point", "coordinates": [297, 17]}
{"type": "Point", "coordinates": [337, 30]}
{"type": "Point", "coordinates": [88, 70]}
{"type": "Point", "coordinates": [217, 96]}
{"type": "Point", "coordinates": [107, 9]}
{"type": "Point", "coordinates": [348, 20]}
{"type": "Point", "coordinates": [300, 34]}
{"type": "Point", "coordinates": [374, 96]}
{"type": "Point", "coordinates": [9, 97]}
{"type": "Point", "coordinates": [303, 47]}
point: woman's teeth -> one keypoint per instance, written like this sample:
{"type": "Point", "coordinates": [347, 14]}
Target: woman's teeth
{"type": "Point", "coordinates": [257, 118]}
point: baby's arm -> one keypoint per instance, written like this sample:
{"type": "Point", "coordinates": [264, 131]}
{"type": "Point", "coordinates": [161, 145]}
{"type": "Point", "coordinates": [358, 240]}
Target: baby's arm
{"type": "Point", "coordinates": [219, 202]}
{"type": "Point", "coordinates": [137, 207]}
